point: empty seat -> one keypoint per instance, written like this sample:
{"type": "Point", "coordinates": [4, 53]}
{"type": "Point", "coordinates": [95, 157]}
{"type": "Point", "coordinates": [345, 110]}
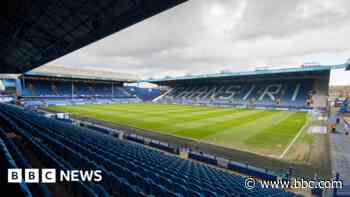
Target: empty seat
{"type": "Point", "coordinates": [128, 169]}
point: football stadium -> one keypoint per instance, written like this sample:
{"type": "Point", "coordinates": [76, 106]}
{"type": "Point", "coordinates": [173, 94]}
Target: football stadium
{"type": "Point", "coordinates": [73, 131]}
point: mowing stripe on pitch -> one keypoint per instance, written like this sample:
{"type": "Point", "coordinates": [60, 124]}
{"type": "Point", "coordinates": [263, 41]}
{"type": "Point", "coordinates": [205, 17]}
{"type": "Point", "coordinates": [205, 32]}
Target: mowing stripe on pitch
{"type": "Point", "coordinates": [210, 120]}
{"type": "Point", "coordinates": [293, 141]}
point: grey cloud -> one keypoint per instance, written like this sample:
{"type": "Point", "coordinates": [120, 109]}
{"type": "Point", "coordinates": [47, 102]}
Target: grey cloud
{"type": "Point", "coordinates": [274, 18]}
{"type": "Point", "coordinates": [204, 36]}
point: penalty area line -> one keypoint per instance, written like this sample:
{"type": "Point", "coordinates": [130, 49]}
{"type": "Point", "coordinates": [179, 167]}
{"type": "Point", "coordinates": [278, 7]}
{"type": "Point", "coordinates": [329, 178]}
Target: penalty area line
{"type": "Point", "coordinates": [292, 142]}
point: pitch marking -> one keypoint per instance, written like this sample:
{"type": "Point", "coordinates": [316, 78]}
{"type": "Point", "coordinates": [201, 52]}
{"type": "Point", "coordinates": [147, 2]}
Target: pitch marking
{"type": "Point", "coordinates": [293, 141]}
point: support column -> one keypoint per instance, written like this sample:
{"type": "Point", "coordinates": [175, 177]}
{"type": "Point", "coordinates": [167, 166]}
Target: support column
{"type": "Point", "coordinates": [112, 90]}
{"type": "Point", "coordinates": [72, 93]}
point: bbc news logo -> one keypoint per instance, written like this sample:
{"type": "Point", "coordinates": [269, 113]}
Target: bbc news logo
{"type": "Point", "coordinates": [31, 175]}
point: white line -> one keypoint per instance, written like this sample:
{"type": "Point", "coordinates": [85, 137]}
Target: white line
{"type": "Point", "coordinates": [293, 141]}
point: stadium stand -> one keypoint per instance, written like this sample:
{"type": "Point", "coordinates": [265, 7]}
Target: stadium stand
{"type": "Point", "coordinates": [211, 159]}
{"type": "Point", "coordinates": [302, 88]}
{"type": "Point", "coordinates": [64, 146]}
{"type": "Point", "coordinates": [128, 169]}
{"type": "Point", "coordinates": [146, 94]}
{"type": "Point", "coordinates": [80, 89]}
{"type": "Point", "coordinates": [7, 162]}
{"type": "Point", "coordinates": [56, 85]}
{"type": "Point", "coordinates": [36, 189]}
{"type": "Point", "coordinates": [286, 94]}
{"type": "Point", "coordinates": [7, 87]}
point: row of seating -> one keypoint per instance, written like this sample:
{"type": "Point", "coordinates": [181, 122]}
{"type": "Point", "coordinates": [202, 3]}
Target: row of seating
{"type": "Point", "coordinates": [270, 94]}
{"type": "Point", "coordinates": [52, 160]}
{"type": "Point", "coordinates": [32, 102]}
{"type": "Point", "coordinates": [210, 159]}
{"type": "Point", "coordinates": [130, 169]}
{"type": "Point", "coordinates": [153, 143]}
{"type": "Point", "coordinates": [146, 94]}
{"type": "Point", "coordinates": [7, 162]}
{"type": "Point", "coordinates": [203, 158]}
{"type": "Point", "coordinates": [43, 88]}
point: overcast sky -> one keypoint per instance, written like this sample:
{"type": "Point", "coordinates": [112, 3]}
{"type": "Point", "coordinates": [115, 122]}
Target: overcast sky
{"type": "Point", "coordinates": [203, 36]}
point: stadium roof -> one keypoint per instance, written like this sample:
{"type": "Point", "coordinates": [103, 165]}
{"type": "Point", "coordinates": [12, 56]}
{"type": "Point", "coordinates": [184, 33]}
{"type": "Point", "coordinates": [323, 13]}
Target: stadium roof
{"type": "Point", "coordinates": [59, 71]}
{"type": "Point", "coordinates": [9, 76]}
{"type": "Point", "coordinates": [36, 32]}
{"type": "Point", "coordinates": [299, 71]}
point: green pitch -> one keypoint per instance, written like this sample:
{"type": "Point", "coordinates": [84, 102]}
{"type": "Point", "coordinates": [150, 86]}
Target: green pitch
{"type": "Point", "coordinates": [261, 131]}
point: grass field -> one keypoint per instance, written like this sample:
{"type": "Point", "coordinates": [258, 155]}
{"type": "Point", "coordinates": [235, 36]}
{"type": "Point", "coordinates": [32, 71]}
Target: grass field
{"type": "Point", "coordinates": [264, 132]}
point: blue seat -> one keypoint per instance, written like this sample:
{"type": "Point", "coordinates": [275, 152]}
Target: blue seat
{"type": "Point", "coordinates": [179, 189]}
{"type": "Point", "coordinates": [207, 192]}
{"type": "Point", "coordinates": [192, 193]}
{"type": "Point", "coordinates": [195, 187]}
{"type": "Point", "coordinates": [128, 169]}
